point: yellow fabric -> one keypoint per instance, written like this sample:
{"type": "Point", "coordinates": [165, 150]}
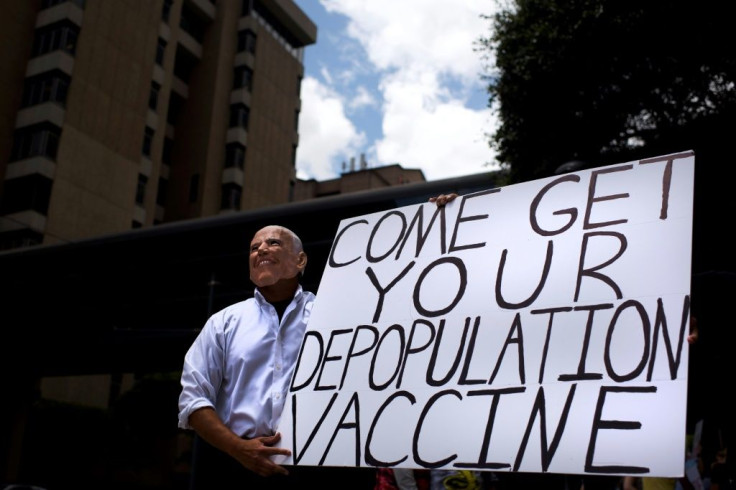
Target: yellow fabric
{"type": "Point", "coordinates": [652, 483]}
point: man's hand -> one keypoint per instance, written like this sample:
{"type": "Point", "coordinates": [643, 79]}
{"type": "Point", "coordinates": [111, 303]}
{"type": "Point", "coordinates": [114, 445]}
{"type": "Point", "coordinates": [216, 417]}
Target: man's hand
{"type": "Point", "coordinates": [255, 454]}
{"type": "Point", "coordinates": [443, 199]}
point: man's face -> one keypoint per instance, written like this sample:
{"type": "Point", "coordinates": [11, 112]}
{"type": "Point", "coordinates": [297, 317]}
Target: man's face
{"type": "Point", "coordinates": [273, 258]}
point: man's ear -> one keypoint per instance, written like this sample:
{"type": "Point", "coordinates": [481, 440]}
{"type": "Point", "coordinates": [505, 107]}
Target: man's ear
{"type": "Point", "coordinates": [301, 261]}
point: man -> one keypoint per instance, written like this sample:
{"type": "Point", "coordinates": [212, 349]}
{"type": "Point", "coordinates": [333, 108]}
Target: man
{"type": "Point", "coordinates": [236, 374]}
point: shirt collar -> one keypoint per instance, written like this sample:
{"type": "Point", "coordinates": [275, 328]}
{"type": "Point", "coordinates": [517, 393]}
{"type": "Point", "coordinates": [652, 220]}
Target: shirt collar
{"type": "Point", "coordinates": [262, 301]}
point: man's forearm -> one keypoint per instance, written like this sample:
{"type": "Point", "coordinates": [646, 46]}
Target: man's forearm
{"type": "Point", "coordinates": [208, 425]}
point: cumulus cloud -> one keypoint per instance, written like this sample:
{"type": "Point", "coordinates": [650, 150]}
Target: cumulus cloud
{"type": "Point", "coordinates": [326, 135]}
{"type": "Point", "coordinates": [421, 54]}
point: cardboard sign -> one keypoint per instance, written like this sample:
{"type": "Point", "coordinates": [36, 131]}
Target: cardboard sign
{"type": "Point", "coordinates": [538, 327]}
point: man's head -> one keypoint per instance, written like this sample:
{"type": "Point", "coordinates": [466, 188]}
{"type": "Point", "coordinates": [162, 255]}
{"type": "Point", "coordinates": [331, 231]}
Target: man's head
{"type": "Point", "coordinates": [276, 257]}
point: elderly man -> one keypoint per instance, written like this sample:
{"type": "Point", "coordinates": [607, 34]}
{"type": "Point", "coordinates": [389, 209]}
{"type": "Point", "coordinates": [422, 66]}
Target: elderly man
{"type": "Point", "coordinates": [236, 374]}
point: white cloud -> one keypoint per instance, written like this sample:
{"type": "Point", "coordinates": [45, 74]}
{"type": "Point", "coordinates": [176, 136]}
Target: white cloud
{"type": "Point", "coordinates": [362, 98]}
{"type": "Point", "coordinates": [423, 52]}
{"type": "Point", "coordinates": [325, 132]}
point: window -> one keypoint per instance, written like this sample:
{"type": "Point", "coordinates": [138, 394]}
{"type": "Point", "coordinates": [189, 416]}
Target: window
{"type": "Point", "coordinates": [243, 78]}
{"type": "Point", "coordinates": [231, 194]}
{"type": "Point", "coordinates": [166, 153]}
{"type": "Point", "coordinates": [192, 23]}
{"type": "Point", "coordinates": [166, 11]}
{"type": "Point", "coordinates": [27, 193]}
{"type": "Point", "coordinates": [193, 188]}
{"type": "Point", "coordinates": [247, 41]}
{"type": "Point", "coordinates": [136, 224]}
{"type": "Point", "coordinates": [140, 190]}
{"type": "Point", "coordinates": [37, 140]}
{"type": "Point", "coordinates": [20, 238]}
{"type": "Point", "coordinates": [51, 86]}
{"type": "Point", "coordinates": [239, 115]}
{"type": "Point", "coordinates": [296, 120]}
{"type": "Point", "coordinates": [60, 35]}
{"type": "Point", "coordinates": [153, 95]}
{"type": "Point", "coordinates": [160, 51]}
{"type": "Point", "coordinates": [247, 7]}
{"type": "Point", "coordinates": [235, 155]}
{"type": "Point", "coordinates": [163, 186]}
{"type": "Point", "coordinates": [50, 3]}
{"type": "Point", "coordinates": [147, 141]}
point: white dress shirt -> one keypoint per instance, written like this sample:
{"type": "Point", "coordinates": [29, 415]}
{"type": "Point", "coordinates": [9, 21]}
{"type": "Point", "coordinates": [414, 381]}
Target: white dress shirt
{"type": "Point", "coordinates": [241, 364]}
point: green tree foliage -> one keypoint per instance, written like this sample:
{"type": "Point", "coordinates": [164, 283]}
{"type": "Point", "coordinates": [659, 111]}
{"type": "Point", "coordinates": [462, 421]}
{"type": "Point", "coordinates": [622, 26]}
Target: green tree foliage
{"type": "Point", "coordinates": [608, 81]}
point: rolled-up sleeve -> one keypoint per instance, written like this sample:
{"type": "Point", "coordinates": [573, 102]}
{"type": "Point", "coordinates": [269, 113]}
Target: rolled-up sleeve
{"type": "Point", "coordinates": [202, 373]}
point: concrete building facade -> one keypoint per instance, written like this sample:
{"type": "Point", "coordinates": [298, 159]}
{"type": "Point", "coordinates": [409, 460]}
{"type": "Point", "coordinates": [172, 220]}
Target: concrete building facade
{"type": "Point", "coordinates": [127, 114]}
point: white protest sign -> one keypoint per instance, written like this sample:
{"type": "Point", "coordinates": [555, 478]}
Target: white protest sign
{"type": "Point", "coordinates": [538, 327]}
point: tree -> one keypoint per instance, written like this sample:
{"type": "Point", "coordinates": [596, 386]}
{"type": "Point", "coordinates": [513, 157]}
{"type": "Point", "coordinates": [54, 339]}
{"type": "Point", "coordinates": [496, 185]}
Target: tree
{"type": "Point", "coordinates": [608, 81]}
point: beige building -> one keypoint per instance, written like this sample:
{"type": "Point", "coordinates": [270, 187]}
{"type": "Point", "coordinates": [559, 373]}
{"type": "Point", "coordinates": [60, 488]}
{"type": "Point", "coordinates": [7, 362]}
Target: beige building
{"type": "Point", "coordinates": [356, 178]}
{"type": "Point", "coordinates": [129, 113]}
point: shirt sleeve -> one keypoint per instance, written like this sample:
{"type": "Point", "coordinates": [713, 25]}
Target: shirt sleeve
{"type": "Point", "coordinates": [202, 372]}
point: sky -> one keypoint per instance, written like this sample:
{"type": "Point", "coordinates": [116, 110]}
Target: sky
{"type": "Point", "coordinates": [395, 82]}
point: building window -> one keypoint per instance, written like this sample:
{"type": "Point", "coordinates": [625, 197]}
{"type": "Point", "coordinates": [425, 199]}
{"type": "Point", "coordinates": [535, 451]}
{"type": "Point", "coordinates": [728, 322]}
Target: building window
{"type": "Point", "coordinates": [140, 190]}
{"type": "Point", "coordinates": [166, 153]}
{"type": "Point", "coordinates": [147, 141]}
{"type": "Point", "coordinates": [20, 238]}
{"type": "Point", "coordinates": [192, 24]}
{"type": "Point", "coordinates": [194, 188]}
{"type": "Point", "coordinates": [27, 193]}
{"type": "Point", "coordinates": [136, 224]}
{"type": "Point", "coordinates": [235, 155]}
{"type": "Point", "coordinates": [160, 51]}
{"type": "Point", "coordinates": [50, 3]}
{"type": "Point", "coordinates": [161, 193]}
{"type": "Point", "coordinates": [37, 140]}
{"type": "Point", "coordinates": [231, 194]}
{"type": "Point", "coordinates": [243, 78]}
{"type": "Point", "coordinates": [153, 95]}
{"type": "Point", "coordinates": [60, 35]}
{"type": "Point", "coordinates": [166, 11]}
{"type": "Point", "coordinates": [247, 7]}
{"type": "Point", "coordinates": [296, 120]}
{"type": "Point", "coordinates": [239, 115]}
{"type": "Point", "coordinates": [247, 41]}
{"type": "Point", "coordinates": [51, 86]}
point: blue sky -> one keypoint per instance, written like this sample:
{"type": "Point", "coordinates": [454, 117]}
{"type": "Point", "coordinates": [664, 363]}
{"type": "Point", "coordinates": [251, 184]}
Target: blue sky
{"type": "Point", "coordinates": [397, 82]}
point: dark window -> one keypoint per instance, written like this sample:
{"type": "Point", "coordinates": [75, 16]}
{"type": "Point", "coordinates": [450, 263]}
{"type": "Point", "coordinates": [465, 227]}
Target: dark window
{"type": "Point", "coordinates": [163, 186]}
{"type": "Point", "coordinates": [243, 78]}
{"type": "Point", "coordinates": [193, 188]}
{"type": "Point", "coordinates": [166, 153]}
{"type": "Point", "coordinates": [60, 35]}
{"type": "Point", "coordinates": [147, 141]}
{"type": "Point", "coordinates": [153, 95]}
{"type": "Point", "coordinates": [296, 120]}
{"type": "Point", "coordinates": [37, 140]}
{"type": "Point", "coordinates": [176, 105]}
{"type": "Point", "coordinates": [27, 193]}
{"type": "Point", "coordinates": [50, 3]}
{"type": "Point", "coordinates": [299, 85]}
{"type": "Point", "coordinates": [51, 86]}
{"type": "Point", "coordinates": [160, 51]}
{"type": "Point", "coordinates": [247, 41]}
{"type": "Point", "coordinates": [20, 238]}
{"type": "Point", "coordinates": [235, 155]}
{"type": "Point", "coordinates": [293, 155]}
{"type": "Point", "coordinates": [247, 7]}
{"type": "Point", "coordinates": [184, 64]}
{"type": "Point", "coordinates": [166, 11]}
{"type": "Point", "coordinates": [140, 190]}
{"type": "Point", "coordinates": [136, 224]}
{"type": "Point", "coordinates": [239, 115]}
{"type": "Point", "coordinates": [192, 23]}
{"type": "Point", "coordinates": [231, 194]}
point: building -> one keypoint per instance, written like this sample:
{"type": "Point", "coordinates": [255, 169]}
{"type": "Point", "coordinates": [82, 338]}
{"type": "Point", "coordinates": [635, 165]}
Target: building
{"type": "Point", "coordinates": [128, 114]}
{"type": "Point", "coordinates": [358, 179]}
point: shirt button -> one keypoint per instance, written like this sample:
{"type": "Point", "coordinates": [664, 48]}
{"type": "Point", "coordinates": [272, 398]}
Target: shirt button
{"type": "Point", "coordinates": [277, 396]}
{"type": "Point", "coordinates": [278, 367]}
